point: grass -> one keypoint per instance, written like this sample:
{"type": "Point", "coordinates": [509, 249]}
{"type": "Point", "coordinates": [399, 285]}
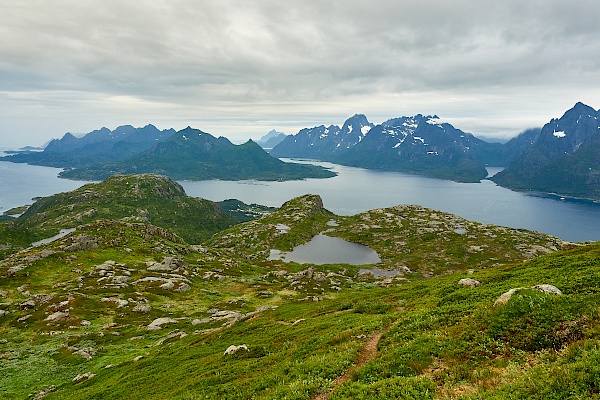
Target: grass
{"type": "Point", "coordinates": [304, 327]}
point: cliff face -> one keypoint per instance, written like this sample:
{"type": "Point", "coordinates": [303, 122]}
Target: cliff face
{"type": "Point", "coordinates": [564, 158]}
{"type": "Point", "coordinates": [324, 143]}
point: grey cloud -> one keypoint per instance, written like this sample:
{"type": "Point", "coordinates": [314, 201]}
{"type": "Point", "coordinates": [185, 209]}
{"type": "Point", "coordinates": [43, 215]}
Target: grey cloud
{"type": "Point", "coordinates": [262, 60]}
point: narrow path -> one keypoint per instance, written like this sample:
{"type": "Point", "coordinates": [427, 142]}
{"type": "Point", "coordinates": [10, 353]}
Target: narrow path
{"type": "Point", "coordinates": [366, 354]}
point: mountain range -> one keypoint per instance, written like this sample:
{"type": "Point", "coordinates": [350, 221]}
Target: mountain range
{"type": "Point", "coordinates": [185, 154]}
{"type": "Point", "coordinates": [102, 145]}
{"type": "Point", "coordinates": [271, 139]}
{"type": "Point", "coordinates": [419, 144]}
{"type": "Point", "coordinates": [562, 157]}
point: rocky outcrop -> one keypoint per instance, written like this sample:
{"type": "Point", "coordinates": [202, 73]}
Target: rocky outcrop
{"type": "Point", "coordinates": [168, 264]}
{"type": "Point", "coordinates": [469, 282]}
{"type": "Point", "coordinates": [549, 289]}
{"type": "Point", "coordinates": [40, 394]}
{"type": "Point", "coordinates": [83, 242]}
{"type": "Point", "coordinates": [544, 288]}
{"type": "Point", "coordinates": [158, 323]}
{"type": "Point", "coordinates": [84, 377]}
{"type": "Point", "coordinates": [234, 349]}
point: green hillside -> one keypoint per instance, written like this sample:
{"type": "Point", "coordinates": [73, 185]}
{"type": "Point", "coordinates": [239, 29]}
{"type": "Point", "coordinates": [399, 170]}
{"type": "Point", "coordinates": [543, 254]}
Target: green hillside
{"type": "Point", "coordinates": [195, 155]}
{"type": "Point", "coordinates": [153, 199]}
{"type": "Point", "coordinates": [124, 309]}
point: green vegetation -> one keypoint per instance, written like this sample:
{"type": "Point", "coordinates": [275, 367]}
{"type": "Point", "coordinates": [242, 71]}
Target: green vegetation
{"type": "Point", "coordinates": [567, 175]}
{"type": "Point", "coordinates": [122, 308]}
{"type": "Point", "coordinates": [150, 199]}
{"type": "Point", "coordinates": [195, 155]}
{"type": "Point", "coordinates": [456, 167]}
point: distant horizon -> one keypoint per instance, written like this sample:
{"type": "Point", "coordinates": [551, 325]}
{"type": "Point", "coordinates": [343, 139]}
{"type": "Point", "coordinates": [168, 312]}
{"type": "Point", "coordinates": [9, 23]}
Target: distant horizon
{"type": "Point", "coordinates": [488, 138]}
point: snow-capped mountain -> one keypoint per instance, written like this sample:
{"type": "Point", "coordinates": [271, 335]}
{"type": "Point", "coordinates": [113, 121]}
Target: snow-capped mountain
{"type": "Point", "coordinates": [323, 142]}
{"type": "Point", "coordinates": [424, 145]}
{"type": "Point", "coordinates": [564, 157]}
{"type": "Point", "coordinates": [420, 144]}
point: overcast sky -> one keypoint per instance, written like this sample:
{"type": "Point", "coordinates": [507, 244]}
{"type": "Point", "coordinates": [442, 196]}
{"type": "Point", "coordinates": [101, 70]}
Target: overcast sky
{"type": "Point", "coordinates": [241, 68]}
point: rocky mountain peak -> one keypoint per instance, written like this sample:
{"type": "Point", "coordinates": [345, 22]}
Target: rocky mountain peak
{"type": "Point", "coordinates": [358, 124]}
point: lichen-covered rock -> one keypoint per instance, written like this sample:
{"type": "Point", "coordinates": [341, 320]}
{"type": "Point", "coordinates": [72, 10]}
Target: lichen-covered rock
{"type": "Point", "coordinates": [167, 285]}
{"type": "Point", "coordinates": [158, 323]}
{"type": "Point", "coordinates": [58, 316]}
{"type": "Point", "coordinates": [86, 353]}
{"type": "Point", "coordinates": [183, 287]}
{"type": "Point", "coordinates": [29, 303]}
{"type": "Point", "coordinates": [234, 349]}
{"type": "Point", "coordinates": [84, 377]}
{"type": "Point", "coordinates": [42, 298]}
{"type": "Point", "coordinates": [43, 392]}
{"type": "Point", "coordinates": [469, 282]}
{"type": "Point", "coordinates": [119, 302]}
{"type": "Point", "coordinates": [142, 308]}
{"type": "Point", "coordinates": [83, 242]}
{"type": "Point", "coordinates": [14, 269]}
{"type": "Point", "coordinates": [168, 264]}
{"type": "Point", "coordinates": [505, 297]}
{"type": "Point", "coordinates": [549, 289]}
{"type": "Point", "coordinates": [544, 288]}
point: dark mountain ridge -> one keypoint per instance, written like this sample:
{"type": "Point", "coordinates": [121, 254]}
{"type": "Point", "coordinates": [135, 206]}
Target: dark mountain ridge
{"type": "Point", "coordinates": [323, 142]}
{"type": "Point", "coordinates": [563, 158]}
{"type": "Point", "coordinates": [197, 155]}
{"type": "Point", "coordinates": [102, 145]}
{"type": "Point", "coordinates": [419, 144]}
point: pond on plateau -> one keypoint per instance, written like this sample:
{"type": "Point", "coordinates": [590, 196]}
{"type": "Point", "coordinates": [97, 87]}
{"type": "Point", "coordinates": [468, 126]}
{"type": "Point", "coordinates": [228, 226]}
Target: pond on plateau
{"type": "Point", "coordinates": [323, 249]}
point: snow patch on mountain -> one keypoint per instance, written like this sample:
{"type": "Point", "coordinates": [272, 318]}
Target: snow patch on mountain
{"type": "Point", "coordinates": [559, 134]}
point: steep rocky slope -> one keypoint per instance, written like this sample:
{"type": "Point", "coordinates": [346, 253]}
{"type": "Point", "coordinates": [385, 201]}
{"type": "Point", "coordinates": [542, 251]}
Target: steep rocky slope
{"type": "Point", "coordinates": [563, 158]}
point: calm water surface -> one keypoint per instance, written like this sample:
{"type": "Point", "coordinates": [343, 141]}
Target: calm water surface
{"type": "Point", "coordinates": [20, 183]}
{"type": "Point", "coordinates": [356, 190]}
{"type": "Point", "coordinates": [324, 249]}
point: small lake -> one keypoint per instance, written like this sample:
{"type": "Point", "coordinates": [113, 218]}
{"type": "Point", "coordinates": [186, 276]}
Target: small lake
{"type": "Point", "coordinates": [323, 249]}
{"type": "Point", "coordinates": [61, 234]}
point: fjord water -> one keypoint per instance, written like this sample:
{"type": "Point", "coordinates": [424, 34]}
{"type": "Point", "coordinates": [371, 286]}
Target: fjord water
{"type": "Point", "coordinates": [356, 190]}
{"type": "Point", "coordinates": [20, 183]}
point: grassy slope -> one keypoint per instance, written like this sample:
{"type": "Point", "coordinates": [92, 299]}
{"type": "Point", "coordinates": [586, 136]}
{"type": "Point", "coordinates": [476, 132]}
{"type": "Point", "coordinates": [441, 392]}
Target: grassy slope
{"type": "Point", "coordinates": [137, 198]}
{"type": "Point", "coordinates": [440, 340]}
